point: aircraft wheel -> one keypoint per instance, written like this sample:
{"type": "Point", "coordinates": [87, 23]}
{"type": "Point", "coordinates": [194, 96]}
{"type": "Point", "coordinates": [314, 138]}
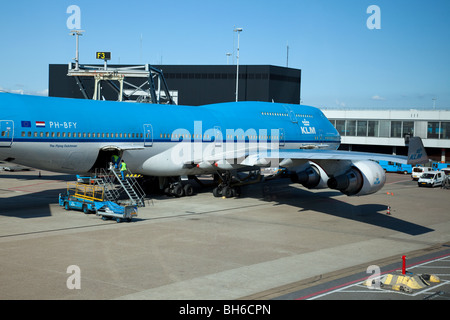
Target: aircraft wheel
{"type": "Point", "coordinates": [216, 192]}
{"type": "Point", "coordinates": [227, 192]}
{"type": "Point", "coordinates": [178, 191]}
{"type": "Point", "coordinates": [188, 190]}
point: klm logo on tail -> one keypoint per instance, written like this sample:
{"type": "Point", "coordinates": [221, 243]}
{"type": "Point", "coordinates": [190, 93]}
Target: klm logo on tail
{"type": "Point", "coordinates": [417, 155]}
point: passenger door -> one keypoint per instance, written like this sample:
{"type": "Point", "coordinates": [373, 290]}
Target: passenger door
{"type": "Point", "coordinates": [6, 133]}
{"type": "Point", "coordinates": [148, 135]}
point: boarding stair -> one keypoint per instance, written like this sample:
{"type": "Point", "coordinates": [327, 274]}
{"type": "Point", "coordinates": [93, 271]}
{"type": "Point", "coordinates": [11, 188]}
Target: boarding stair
{"type": "Point", "coordinates": [113, 184]}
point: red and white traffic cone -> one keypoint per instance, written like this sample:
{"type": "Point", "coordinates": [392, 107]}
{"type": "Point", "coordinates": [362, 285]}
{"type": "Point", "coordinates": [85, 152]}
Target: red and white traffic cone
{"type": "Point", "coordinates": [388, 210]}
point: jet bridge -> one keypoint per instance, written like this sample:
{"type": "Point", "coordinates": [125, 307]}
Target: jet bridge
{"type": "Point", "coordinates": [151, 87]}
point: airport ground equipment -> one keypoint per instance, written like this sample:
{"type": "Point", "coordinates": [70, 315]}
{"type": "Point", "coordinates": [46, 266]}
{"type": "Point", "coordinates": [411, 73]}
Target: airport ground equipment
{"type": "Point", "coordinates": [111, 210]}
{"type": "Point", "coordinates": [106, 194]}
{"type": "Point", "coordinates": [431, 179]}
{"type": "Point", "coordinates": [80, 196]}
{"type": "Point", "coordinates": [117, 188]}
{"type": "Point", "coordinates": [440, 165]}
{"type": "Point", "coordinates": [390, 166]}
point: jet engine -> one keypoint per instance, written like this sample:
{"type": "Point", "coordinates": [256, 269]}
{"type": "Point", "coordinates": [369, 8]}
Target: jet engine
{"type": "Point", "coordinates": [311, 177]}
{"type": "Point", "coordinates": [363, 177]}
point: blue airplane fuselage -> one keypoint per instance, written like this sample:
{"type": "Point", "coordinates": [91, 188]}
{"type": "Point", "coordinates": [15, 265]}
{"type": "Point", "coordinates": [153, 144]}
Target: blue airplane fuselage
{"type": "Point", "coordinates": [66, 135]}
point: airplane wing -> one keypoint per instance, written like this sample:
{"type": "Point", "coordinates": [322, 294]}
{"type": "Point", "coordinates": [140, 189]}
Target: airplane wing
{"type": "Point", "coordinates": [350, 172]}
{"type": "Point", "coordinates": [416, 155]}
{"type": "Point", "coordinates": [302, 154]}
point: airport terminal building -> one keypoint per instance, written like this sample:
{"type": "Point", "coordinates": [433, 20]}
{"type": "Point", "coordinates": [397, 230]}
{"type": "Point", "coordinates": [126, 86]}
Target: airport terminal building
{"type": "Point", "coordinates": [385, 130]}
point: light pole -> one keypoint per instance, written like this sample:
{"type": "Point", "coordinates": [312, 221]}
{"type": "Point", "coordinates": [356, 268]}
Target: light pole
{"type": "Point", "coordinates": [76, 33]}
{"type": "Point", "coordinates": [238, 30]}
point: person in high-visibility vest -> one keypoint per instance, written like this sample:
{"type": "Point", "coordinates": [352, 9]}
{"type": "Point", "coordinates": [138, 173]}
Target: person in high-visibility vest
{"type": "Point", "coordinates": [123, 168]}
{"type": "Point", "coordinates": [115, 160]}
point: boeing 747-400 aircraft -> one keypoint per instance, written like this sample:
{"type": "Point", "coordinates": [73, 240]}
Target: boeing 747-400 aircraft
{"type": "Point", "coordinates": [76, 136]}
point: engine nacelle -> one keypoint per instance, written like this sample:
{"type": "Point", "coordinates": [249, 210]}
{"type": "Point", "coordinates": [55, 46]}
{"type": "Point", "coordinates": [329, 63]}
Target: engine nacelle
{"type": "Point", "coordinates": [312, 177]}
{"type": "Point", "coordinates": [364, 177]}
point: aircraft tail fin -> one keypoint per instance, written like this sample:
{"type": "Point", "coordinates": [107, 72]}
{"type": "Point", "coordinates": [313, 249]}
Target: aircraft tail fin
{"type": "Point", "coordinates": [416, 152]}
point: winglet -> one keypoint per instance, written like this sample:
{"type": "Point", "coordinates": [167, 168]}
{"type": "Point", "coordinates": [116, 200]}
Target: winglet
{"type": "Point", "coordinates": [416, 152]}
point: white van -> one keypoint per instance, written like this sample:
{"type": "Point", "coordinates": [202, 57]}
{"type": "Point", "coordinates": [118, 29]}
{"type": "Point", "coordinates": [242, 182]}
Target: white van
{"type": "Point", "coordinates": [417, 172]}
{"type": "Point", "coordinates": [431, 179]}
{"type": "Point", "coordinates": [446, 171]}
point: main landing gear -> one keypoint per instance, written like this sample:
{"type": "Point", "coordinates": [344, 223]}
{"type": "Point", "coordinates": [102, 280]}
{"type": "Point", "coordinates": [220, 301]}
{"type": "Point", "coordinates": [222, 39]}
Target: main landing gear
{"type": "Point", "coordinates": [227, 186]}
{"type": "Point", "coordinates": [177, 189]}
{"type": "Point", "coordinates": [226, 191]}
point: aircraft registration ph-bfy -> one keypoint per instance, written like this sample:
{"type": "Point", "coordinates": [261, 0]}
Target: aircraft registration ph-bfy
{"type": "Point", "coordinates": [76, 136]}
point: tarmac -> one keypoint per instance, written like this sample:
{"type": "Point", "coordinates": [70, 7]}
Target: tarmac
{"type": "Point", "coordinates": [277, 241]}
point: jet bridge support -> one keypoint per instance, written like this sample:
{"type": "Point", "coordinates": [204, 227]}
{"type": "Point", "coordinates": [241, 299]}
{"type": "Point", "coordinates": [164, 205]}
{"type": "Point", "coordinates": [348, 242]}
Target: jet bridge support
{"type": "Point", "coordinates": [152, 88]}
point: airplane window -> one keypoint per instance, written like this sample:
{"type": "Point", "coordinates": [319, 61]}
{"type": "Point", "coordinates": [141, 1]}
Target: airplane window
{"type": "Point", "coordinates": [58, 134]}
{"type": "Point", "coordinates": [47, 134]}
{"type": "Point", "coordinates": [29, 133]}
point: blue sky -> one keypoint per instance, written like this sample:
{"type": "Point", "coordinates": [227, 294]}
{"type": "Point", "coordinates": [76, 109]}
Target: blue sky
{"type": "Point", "coordinates": [404, 64]}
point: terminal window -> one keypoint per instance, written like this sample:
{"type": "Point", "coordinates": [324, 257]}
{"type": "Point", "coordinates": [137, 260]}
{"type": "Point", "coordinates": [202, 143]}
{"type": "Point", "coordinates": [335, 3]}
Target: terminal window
{"type": "Point", "coordinates": [433, 130]}
{"type": "Point", "coordinates": [372, 129]}
{"type": "Point", "coordinates": [396, 129]}
{"type": "Point", "coordinates": [361, 128]}
{"type": "Point", "coordinates": [445, 130]}
{"type": "Point", "coordinates": [351, 127]}
{"type": "Point", "coordinates": [408, 128]}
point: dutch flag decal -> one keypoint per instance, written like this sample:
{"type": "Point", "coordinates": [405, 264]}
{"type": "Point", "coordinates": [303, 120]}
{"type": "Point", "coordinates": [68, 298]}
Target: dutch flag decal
{"type": "Point", "coordinates": [40, 124]}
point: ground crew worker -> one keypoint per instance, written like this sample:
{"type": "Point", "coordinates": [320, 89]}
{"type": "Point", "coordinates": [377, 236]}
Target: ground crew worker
{"type": "Point", "coordinates": [115, 160]}
{"type": "Point", "coordinates": [123, 168]}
